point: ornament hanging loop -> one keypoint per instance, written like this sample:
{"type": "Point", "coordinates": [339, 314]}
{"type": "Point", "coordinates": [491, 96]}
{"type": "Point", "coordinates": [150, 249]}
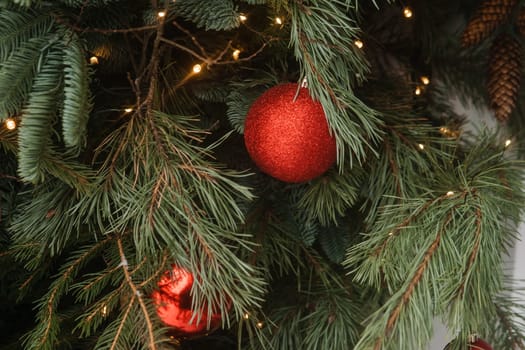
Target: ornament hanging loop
{"type": "Point", "coordinates": [304, 84]}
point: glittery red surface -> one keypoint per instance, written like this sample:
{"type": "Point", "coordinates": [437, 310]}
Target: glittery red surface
{"type": "Point", "coordinates": [479, 345]}
{"type": "Point", "coordinates": [289, 139]}
{"type": "Point", "coordinates": [173, 304]}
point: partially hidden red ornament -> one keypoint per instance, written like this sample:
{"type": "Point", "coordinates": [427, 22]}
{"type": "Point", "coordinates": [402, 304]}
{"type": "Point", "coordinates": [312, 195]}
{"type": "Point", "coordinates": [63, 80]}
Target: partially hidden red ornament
{"type": "Point", "coordinates": [287, 137]}
{"type": "Point", "coordinates": [479, 344]}
{"type": "Point", "coordinates": [173, 304]}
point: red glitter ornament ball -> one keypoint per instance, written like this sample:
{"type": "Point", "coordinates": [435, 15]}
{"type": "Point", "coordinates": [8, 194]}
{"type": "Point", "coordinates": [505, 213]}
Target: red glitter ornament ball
{"type": "Point", "coordinates": [289, 139]}
{"type": "Point", "coordinates": [173, 304]}
{"type": "Point", "coordinates": [479, 344]}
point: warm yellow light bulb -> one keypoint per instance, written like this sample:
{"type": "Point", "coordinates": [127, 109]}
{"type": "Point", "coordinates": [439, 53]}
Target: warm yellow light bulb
{"type": "Point", "coordinates": [10, 124]}
{"type": "Point", "coordinates": [450, 193]}
{"type": "Point", "coordinates": [243, 18]}
{"type": "Point", "coordinates": [236, 54]}
{"type": "Point", "coordinates": [359, 44]}
{"type": "Point", "coordinates": [507, 143]}
{"type": "Point", "coordinates": [417, 91]}
{"type": "Point", "coordinates": [128, 110]}
{"type": "Point", "coordinates": [425, 80]}
{"type": "Point", "coordinates": [421, 146]}
{"type": "Point", "coordinates": [246, 316]}
{"type": "Point", "coordinates": [104, 311]}
{"type": "Point", "coordinates": [197, 68]}
{"type": "Point", "coordinates": [260, 324]}
{"type": "Point", "coordinates": [93, 60]}
{"type": "Point", "coordinates": [407, 12]}
{"type": "Point", "coordinates": [161, 14]}
{"type": "Point", "coordinates": [278, 20]}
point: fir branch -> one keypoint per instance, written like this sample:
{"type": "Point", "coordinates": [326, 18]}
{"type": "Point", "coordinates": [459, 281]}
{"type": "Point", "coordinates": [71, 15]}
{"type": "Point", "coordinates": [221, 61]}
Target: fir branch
{"type": "Point", "coordinates": [136, 294]}
{"type": "Point", "coordinates": [45, 335]}
{"type": "Point", "coordinates": [77, 99]}
{"type": "Point", "coordinates": [122, 322]}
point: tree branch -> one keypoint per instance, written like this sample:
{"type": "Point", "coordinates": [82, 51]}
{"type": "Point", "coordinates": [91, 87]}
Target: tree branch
{"type": "Point", "coordinates": [136, 294]}
{"type": "Point", "coordinates": [416, 278]}
{"type": "Point", "coordinates": [473, 254]}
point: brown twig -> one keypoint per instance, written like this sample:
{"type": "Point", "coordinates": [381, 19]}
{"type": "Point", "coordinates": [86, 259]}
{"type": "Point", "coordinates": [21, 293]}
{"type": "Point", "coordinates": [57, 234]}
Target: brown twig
{"type": "Point", "coordinates": [192, 37]}
{"type": "Point", "coordinates": [185, 49]}
{"type": "Point", "coordinates": [79, 29]}
{"type": "Point", "coordinates": [406, 222]}
{"type": "Point", "coordinates": [319, 77]}
{"type": "Point", "coordinates": [416, 278]}
{"type": "Point", "coordinates": [121, 325]}
{"type": "Point", "coordinates": [136, 294]}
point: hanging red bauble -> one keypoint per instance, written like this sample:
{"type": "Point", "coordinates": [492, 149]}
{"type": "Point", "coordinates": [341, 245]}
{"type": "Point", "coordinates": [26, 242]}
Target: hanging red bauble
{"type": "Point", "coordinates": [288, 136]}
{"type": "Point", "coordinates": [173, 304]}
{"type": "Point", "coordinates": [479, 344]}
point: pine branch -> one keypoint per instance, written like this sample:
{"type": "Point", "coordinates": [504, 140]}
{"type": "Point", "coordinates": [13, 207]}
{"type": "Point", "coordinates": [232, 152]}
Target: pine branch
{"type": "Point", "coordinates": [322, 36]}
{"type": "Point", "coordinates": [473, 254]}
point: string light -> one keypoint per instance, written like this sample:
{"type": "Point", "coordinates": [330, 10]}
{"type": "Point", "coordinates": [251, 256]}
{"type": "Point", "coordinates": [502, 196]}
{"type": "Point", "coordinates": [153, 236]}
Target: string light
{"type": "Point", "coordinates": [425, 80]}
{"type": "Point", "coordinates": [359, 44]}
{"type": "Point", "coordinates": [236, 54]}
{"type": "Point", "coordinates": [243, 18]}
{"type": "Point", "coordinates": [93, 60]}
{"type": "Point", "coordinates": [197, 68]}
{"type": "Point", "coordinates": [260, 324]}
{"type": "Point", "coordinates": [448, 132]}
{"type": "Point", "coordinates": [507, 143]}
{"type": "Point", "coordinates": [421, 146]}
{"type": "Point", "coordinates": [450, 193]}
{"type": "Point", "coordinates": [104, 311]}
{"type": "Point", "coordinates": [417, 91]}
{"type": "Point", "coordinates": [128, 110]}
{"type": "Point", "coordinates": [390, 233]}
{"type": "Point", "coordinates": [161, 14]}
{"type": "Point", "coordinates": [10, 124]}
{"type": "Point", "coordinates": [407, 12]}
{"type": "Point", "coordinates": [246, 316]}
{"type": "Point", "coordinates": [278, 20]}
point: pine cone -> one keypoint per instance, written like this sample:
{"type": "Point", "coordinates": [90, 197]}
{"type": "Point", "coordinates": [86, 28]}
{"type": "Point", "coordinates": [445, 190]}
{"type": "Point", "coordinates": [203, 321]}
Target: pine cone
{"type": "Point", "coordinates": [520, 23]}
{"type": "Point", "coordinates": [504, 75]}
{"type": "Point", "coordinates": [486, 19]}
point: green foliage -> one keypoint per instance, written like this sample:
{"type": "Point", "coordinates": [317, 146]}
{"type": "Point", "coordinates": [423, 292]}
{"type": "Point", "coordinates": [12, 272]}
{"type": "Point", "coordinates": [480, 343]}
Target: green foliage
{"type": "Point", "coordinates": [238, 102]}
{"type": "Point", "coordinates": [77, 99]}
{"type": "Point", "coordinates": [89, 243]}
{"type": "Point", "coordinates": [173, 197]}
{"type": "Point", "coordinates": [322, 318]}
{"type": "Point", "coordinates": [216, 15]}
{"type": "Point", "coordinates": [31, 80]}
{"type": "Point", "coordinates": [328, 197]}
{"type": "Point", "coordinates": [441, 233]}
{"type": "Point", "coordinates": [46, 334]}
{"type": "Point", "coordinates": [39, 114]}
{"type": "Point", "coordinates": [322, 35]}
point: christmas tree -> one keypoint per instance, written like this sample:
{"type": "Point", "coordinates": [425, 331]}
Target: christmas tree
{"type": "Point", "coordinates": [259, 174]}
